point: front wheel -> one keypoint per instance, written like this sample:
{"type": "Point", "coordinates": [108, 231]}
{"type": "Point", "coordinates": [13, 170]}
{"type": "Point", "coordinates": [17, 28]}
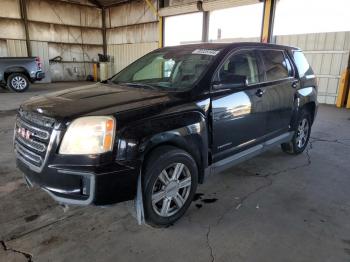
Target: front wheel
{"type": "Point", "coordinates": [301, 136]}
{"type": "Point", "coordinates": [18, 82]}
{"type": "Point", "coordinates": [170, 182]}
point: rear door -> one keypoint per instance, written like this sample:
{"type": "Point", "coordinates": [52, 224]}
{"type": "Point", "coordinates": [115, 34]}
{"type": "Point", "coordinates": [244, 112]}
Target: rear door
{"type": "Point", "coordinates": [238, 114]}
{"type": "Point", "coordinates": [280, 87]}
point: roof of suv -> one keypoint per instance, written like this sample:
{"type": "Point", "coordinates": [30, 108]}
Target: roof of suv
{"type": "Point", "coordinates": [230, 45]}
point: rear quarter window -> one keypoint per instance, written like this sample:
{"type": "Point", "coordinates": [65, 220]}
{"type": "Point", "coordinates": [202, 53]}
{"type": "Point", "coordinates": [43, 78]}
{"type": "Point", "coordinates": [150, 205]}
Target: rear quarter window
{"type": "Point", "coordinates": [277, 65]}
{"type": "Point", "coordinates": [302, 64]}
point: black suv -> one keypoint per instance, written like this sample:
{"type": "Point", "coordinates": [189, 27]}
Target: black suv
{"type": "Point", "coordinates": [165, 122]}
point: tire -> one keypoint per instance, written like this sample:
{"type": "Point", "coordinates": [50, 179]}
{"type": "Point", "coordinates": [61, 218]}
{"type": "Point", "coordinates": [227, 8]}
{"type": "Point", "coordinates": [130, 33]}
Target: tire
{"type": "Point", "coordinates": [301, 136]}
{"type": "Point", "coordinates": [18, 82]}
{"type": "Point", "coordinates": [164, 200]}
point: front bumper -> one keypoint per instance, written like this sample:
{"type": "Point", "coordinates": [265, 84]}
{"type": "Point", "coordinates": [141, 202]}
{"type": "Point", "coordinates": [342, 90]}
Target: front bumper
{"type": "Point", "coordinates": [83, 185]}
{"type": "Point", "coordinates": [70, 179]}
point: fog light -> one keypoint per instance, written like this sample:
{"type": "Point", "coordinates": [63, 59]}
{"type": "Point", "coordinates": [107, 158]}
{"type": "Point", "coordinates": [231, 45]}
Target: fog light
{"type": "Point", "coordinates": [85, 186]}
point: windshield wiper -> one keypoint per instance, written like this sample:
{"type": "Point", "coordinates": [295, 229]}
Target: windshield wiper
{"type": "Point", "coordinates": [138, 84]}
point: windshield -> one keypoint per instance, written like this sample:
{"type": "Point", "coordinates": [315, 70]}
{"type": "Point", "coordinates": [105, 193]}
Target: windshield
{"type": "Point", "coordinates": [167, 69]}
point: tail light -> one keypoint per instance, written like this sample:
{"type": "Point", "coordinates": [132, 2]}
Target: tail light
{"type": "Point", "coordinates": [38, 62]}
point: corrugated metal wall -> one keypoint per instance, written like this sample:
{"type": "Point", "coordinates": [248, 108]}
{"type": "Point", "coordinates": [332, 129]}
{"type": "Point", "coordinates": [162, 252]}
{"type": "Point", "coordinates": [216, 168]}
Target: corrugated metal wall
{"type": "Point", "coordinates": [132, 32]}
{"type": "Point", "coordinates": [328, 54]}
{"type": "Point", "coordinates": [70, 30]}
{"type": "Point", "coordinates": [3, 48]}
{"type": "Point", "coordinates": [63, 13]}
{"type": "Point", "coordinates": [10, 9]}
{"type": "Point", "coordinates": [73, 32]}
{"type": "Point", "coordinates": [123, 55]}
{"type": "Point", "coordinates": [16, 48]}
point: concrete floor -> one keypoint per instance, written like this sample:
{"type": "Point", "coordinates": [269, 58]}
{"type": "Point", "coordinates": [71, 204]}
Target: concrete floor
{"type": "Point", "coordinates": [275, 207]}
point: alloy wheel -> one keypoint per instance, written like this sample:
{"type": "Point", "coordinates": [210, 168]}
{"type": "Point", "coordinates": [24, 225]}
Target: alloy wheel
{"type": "Point", "coordinates": [19, 83]}
{"type": "Point", "coordinates": [171, 189]}
{"type": "Point", "coordinates": [302, 133]}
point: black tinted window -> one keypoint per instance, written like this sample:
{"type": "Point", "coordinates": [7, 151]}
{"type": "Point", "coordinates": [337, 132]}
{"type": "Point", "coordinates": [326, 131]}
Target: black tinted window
{"type": "Point", "coordinates": [241, 64]}
{"type": "Point", "coordinates": [277, 66]}
{"type": "Point", "coordinates": [302, 64]}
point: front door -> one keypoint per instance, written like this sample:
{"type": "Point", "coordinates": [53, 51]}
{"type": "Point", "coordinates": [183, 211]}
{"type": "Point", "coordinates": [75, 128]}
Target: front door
{"type": "Point", "coordinates": [238, 114]}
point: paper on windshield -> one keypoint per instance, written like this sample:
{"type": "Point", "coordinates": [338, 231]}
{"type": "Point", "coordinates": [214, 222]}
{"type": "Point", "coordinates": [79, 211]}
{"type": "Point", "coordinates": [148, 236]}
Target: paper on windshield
{"type": "Point", "coordinates": [205, 52]}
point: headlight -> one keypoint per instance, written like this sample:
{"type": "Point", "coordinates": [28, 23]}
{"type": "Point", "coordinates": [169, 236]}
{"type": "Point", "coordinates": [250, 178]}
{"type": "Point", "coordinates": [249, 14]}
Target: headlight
{"type": "Point", "coordinates": [89, 135]}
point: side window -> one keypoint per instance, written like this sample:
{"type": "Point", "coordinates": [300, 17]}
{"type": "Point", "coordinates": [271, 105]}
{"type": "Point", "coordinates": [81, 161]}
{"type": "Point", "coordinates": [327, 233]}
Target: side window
{"type": "Point", "coordinates": [241, 64]}
{"type": "Point", "coordinates": [288, 65]}
{"type": "Point", "coordinates": [277, 66]}
{"type": "Point", "coordinates": [302, 64]}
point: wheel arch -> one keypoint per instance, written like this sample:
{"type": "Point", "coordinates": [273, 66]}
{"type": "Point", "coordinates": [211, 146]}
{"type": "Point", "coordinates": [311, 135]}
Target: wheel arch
{"type": "Point", "coordinates": [306, 99]}
{"type": "Point", "coordinates": [180, 145]}
{"type": "Point", "coordinates": [311, 108]}
{"type": "Point", "coordinates": [191, 137]}
{"type": "Point", "coordinates": [17, 69]}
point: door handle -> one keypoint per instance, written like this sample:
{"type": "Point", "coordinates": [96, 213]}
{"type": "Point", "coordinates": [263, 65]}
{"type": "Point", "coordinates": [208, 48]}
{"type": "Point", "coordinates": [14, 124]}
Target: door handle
{"type": "Point", "coordinates": [260, 92]}
{"type": "Point", "coordinates": [295, 84]}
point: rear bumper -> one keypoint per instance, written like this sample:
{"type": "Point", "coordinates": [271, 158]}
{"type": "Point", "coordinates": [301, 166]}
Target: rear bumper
{"type": "Point", "coordinates": [85, 185]}
{"type": "Point", "coordinates": [39, 76]}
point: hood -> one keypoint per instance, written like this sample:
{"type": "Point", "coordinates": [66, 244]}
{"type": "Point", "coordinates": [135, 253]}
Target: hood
{"type": "Point", "coordinates": [96, 98]}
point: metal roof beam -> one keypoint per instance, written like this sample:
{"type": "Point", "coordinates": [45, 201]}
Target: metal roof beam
{"type": "Point", "coordinates": [96, 3]}
{"type": "Point", "coordinates": [268, 20]}
{"type": "Point", "coordinates": [23, 8]}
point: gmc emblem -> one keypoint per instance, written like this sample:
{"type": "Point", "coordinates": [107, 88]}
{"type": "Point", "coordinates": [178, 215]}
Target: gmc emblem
{"type": "Point", "coordinates": [24, 133]}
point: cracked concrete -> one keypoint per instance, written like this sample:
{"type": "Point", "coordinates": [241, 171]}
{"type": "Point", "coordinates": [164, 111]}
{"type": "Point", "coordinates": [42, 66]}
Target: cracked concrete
{"type": "Point", "coordinates": [339, 141]}
{"type": "Point", "coordinates": [275, 207]}
{"type": "Point", "coordinates": [209, 246]}
{"type": "Point", "coordinates": [269, 183]}
{"type": "Point", "coordinates": [262, 187]}
{"type": "Point", "coordinates": [28, 257]}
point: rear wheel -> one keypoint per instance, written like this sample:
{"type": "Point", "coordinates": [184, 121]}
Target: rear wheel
{"type": "Point", "coordinates": [18, 82]}
{"type": "Point", "coordinates": [170, 182]}
{"type": "Point", "coordinates": [301, 136]}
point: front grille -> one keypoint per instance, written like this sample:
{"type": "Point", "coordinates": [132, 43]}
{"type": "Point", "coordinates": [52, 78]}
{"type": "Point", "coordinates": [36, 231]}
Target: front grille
{"type": "Point", "coordinates": [32, 137]}
{"type": "Point", "coordinates": [28, 155]}
{"type": "Point", "coordinates": [38, 146]}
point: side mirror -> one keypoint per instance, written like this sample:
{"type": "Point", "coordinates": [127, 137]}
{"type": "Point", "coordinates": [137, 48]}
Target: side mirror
{"type": "Point", "coordinates": [232, 81]}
